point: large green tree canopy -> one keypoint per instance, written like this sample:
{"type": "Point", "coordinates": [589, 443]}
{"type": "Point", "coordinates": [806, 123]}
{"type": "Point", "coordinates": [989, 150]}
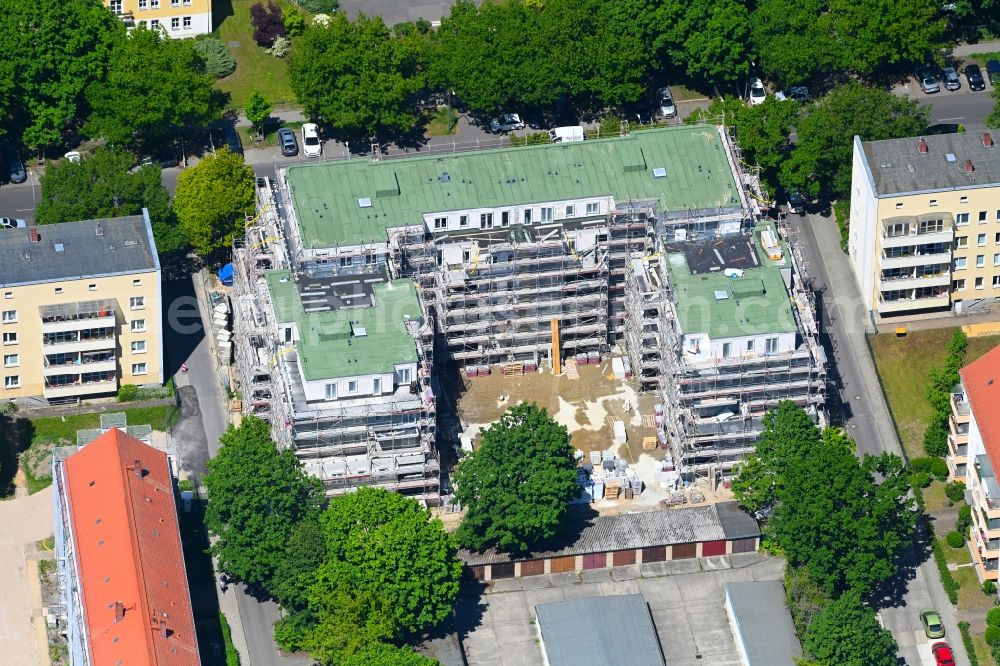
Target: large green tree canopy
{"type": "Point", "coordinates": [257, 496]}
{"type": "Point", "coordinates": [517, 485]}
{"type": "Point", "coordinates": [212, 199]}
{"type": "Point", "coordinates": [155, 87]}
{"type": "Point", "coordinates": [847, 632]}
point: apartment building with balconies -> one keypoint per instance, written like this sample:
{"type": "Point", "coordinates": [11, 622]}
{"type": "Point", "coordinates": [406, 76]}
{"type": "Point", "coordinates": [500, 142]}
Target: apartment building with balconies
{"type": "Point", "coordinates": [925, 223]}
{"type": "Point", "coordinates": [974, 456]}
{"type": "Point", "coordinates": [176, 18]}
{"type": "Point", "coordinates": [79, 310]}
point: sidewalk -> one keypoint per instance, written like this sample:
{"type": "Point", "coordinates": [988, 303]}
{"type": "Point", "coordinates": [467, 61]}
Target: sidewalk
{"type": "Point", "coordinates": [981, 47]}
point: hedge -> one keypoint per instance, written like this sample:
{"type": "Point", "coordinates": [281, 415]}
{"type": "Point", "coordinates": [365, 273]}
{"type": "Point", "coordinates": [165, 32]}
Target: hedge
{"type": "Point", "coordinates": [947, 581]}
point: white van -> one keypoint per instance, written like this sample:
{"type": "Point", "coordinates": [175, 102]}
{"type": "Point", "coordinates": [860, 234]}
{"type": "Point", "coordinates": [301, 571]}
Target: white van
{"type": "Point", "coordinates": [568, 133]}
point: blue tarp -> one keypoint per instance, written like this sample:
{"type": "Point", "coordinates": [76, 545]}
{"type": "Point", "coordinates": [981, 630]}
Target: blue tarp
{"type": "Point", "coordinates": [226, 275]}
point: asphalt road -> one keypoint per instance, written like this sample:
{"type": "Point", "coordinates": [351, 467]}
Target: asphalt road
{"type": "Point", "coordinates": [961, 106]}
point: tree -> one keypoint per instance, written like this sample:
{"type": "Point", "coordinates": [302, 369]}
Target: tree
{"type": "Point", "coordinates": [794, 40]}
{"type": "Point", "coordinates": [156, 87]}
{"type": "Point", "coordinates": [212, 199]}
{"type": "Point", "coordinates": [518, 484]}
{"type": "Point", "coordinates": [356, 76]}
{"type": "Point", "coordinates": [842, 519]}
{"type": "Point", "coordinates": [257, 496]}
{"type": "Point", "coordinates": [295, 22]}
{"type": "Point", "coordinates": [102, 186]}
{"type": "Point", "coordinates": [53, 50]}
{"type": "Point", "coordinates": [268, 23]}
{"type": "Point", "coordinates": [219, 60]}
{"type": "Point", "coordinates": [303, 555]}
{"type": "Point", "coordinates": [384, 654]}
{"type": "Point", "coordinates": [257, 111]}
{"type": "Point", "coordinates": [820, 162]}
{"type": "Point", "coordinates": [848, 633]}
{"type": "Point", "coordinates": [993, 120]}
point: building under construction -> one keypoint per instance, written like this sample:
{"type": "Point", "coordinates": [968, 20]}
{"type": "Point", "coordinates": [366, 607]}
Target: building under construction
{"type": "Point", "coordinates": [519, 256]}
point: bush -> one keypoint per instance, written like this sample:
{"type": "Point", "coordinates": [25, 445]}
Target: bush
{"type": "Point", "coordinates": [936, 467]}
{"type": "Point", "coordinates": [989, 587]}
{"type": "Point", "coordinates": [321, 20]}
{"type": "Point", "coordinates": [920, 480]}
{"type": "Point", "coordinates": [948, 581]}
{"type": "Point", "coordinates": [7, 408]}
{"type": "Point", "coordinates": [295, 22]}
{"type": "Point", "coordinates": [955, 491]}
{"type": "Point", "coordinates": [964, 520]}
{"type": "Point", "coordinates": [993, 617]}
{"type": "Point", "coordinates": [992, 636]}
{"type": "Point", "coordinates": [268, 23]}
{"type": "Point", "coordinates": [281, 47]}
{"type": "Point", "coordinates": [132, 393]}
{"type": "Point", "coordinates": [423, 25]}
{"type": "Point", "coordinates": [219, 60]}
{"type": "Point", "coordinates": [842, 212]}
{"type": "Point", "coordinates": [532, 139]}
{"type": "Point", "coordinates": [319, 6]}
{"type": "Point", "coordinates": [610, 126]}
{"type": "Point", "coordinates": [970, 649]}
{"type": "Point", "coordinates": [955, 540]}
{"type": "Point", "coordinates": [404, 29]}
{"type": "Point", "coordinates": [128, 393]}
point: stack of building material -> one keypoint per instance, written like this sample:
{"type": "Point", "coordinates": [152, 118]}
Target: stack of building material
{"type": "Point", "coordinates": [612, 487]}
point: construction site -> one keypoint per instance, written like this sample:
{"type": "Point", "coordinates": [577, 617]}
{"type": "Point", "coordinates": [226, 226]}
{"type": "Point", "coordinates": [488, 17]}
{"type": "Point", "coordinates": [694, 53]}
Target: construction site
{"type": "Point", "coordinates": [556, 259]}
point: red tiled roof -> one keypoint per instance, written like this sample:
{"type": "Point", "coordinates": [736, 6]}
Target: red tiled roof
{"type": "Point", "coordinates": [981, 380]}
{"type": "Point", "coordinates": [124, 522]}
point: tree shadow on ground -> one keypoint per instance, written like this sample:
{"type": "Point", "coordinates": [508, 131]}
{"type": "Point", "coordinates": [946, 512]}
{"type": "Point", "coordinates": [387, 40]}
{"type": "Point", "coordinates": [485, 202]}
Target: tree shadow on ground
{"type": "Point", "coordinates": [201, 580]}
{"type": "Point", "coordinates": [890, 593]}
{"type": "Point", "coordinates": [15, 438]}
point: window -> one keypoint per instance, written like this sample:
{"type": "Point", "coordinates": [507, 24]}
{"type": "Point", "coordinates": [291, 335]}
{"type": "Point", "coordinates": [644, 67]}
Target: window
{"type": "Point", "coordinates": [116, 6]}
{"type": "Point", "coordinates": [92, 287]}
{"type": "Point", "coordinates": [9, 316]}
{"type": "Point", "coordinates": [175, 23]}
{"type": "Point", "coordinates": [187, 22]}
{"type": "Point", "coordinates": [934, 203]}
{"type": "Point", "coordinates": [155, 23]}
{"type": "Point", "coordinates": [377, 386]}
{"type": "Point", "coordinates": [981, 240]}
{"type": "Point", "coordinates": [463, 221]}
{"type": "Point", "coordinates": [961, 241]}
{"type": "Point", "coordinates": [57, 290]}
{"type": "Point", "coordinates": [898, 229]}
{"type": "Point", "coordinates": [440, 222]}
{"type": "Point", "coordinates": [187, 3]}
{"type": "Point", "coordinates": [138, 368]}
{"type": "Point", "coordinates": [486, 221]}
{"type": "Point", "coordinates": [964, 200]}
{"type": "Point", "coordinates": [960, 263]}
{"type": "Point", "coordinates": [137, 303]}
{"type": "Point", "coordinates": [9, 294]}
{"type": "Point", "coordinates": [14, 360]}
{"type": "Point", "coordinates": [996, 259]}
{"type": "Point", "coordinates": [331, 391]}
{"type": "Point", "coordinates": [996, 281]}
{"type": "Point", "coordinates": [10, 338]}
{"type": "Point", "coordinates": [749, 345]}
{"type": "Point", "coordinates": [593, 208]}
{"type": "Point", "coordinates": [346, 261]}
{"type": "Point", "coordinates": [143, 4]}
{"type": "Point", "coordinates": [899, 205]}
{"type": "Point", "coordinates": [727, 349]}
{"type": "Point", "coordinates": [958, 285]}
{"type": "Point", "coordinates": [404, 375]}
{"type": "Point", "coordinates": [527, 216]}
{"type": "Point", "coordinates": [352, 386]}
{"type": "Point", "coordinates": [982, 217]}
{"type": "Point", "coordinates": [771, 345]}
{"type": "Point", "coordinates": [998, 216]}
{"type": "Point", "coordinates": [505, 218]}
{"type": "Point", "coordinates": [138, 325]}
{"type": "Point", "coordinates": [980, 260]}
{"type": "Point", "coordinates": [979, 283]}
{"type": "Point", "coordinates": [138, 346]}
{"type": "Point", "coordinates": [11, 381]}
{"type": "Point", "coordinates": [136, 283]}
{"type": "Point", "coordinates": [571, 211]}
{"type": "Point", "coordinates": [962, 218]}
{"type": "Point", "coordinates": [547, 214]}
{"type": "Point", "coordinates": [175, 3]}
{"type": "Point", "coordinates": [930, 226]}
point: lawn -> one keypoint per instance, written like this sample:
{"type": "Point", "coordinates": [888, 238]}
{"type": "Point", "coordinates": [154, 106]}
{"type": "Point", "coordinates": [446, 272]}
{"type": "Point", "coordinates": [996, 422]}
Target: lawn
{"type": "Point", "coordinates": [442, 122]}
{"type": "Point", "coordinates": [970, 594]}
{"type": "Point", "coordinates": [903, 365]}
{"type": "Point", "coordinates": [255, 68]}
{"type": "Point", "coordinates": [981, 58]}
{"type": "Point", "coordinates": [934, 498]}
{"type": "Point", "coordinates": [270, 134]}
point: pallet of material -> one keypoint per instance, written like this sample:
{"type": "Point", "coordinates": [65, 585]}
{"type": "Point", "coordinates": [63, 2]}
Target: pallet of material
{"type": "Point", "coordinates": [649, 443]}
{"type": "Point", "coordinates": [513, 369]}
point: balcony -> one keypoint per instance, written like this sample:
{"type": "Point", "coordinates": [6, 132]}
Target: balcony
{"type": "Point", "coordinates": [986, 568]}
{"type": "Point", "coordinates": [985, 490]}
{"type": "Point", "coordinates": [80, 389]}
{"type": "Point", "coordinates": [913, 282]}
{"type": "Point", "coordinates": [77, 316]}
{"type": "Point", "coordinates": [958, 447]}
{"type": "Point", "coordinates": [903, 304]}
{"type": "Point", "coordinates": [70, 368]}
{"type": "Point", "coordinates": [106, 342]}
{"type": "Point", "coordinates": [913, 260]}
{"type": "Point", "coordinates": [912, 239]}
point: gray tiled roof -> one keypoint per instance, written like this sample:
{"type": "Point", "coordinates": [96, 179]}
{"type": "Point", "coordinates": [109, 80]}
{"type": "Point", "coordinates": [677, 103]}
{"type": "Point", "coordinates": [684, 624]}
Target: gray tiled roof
{"type": "Point", "coordinates": [764, 629]}
{"type": "Point", "coordinates": [629, 531]}
{"type": "Point", "coordinates": [77, 250]}
{"type": "Point", "coordinates": [599, 631]}
{"type": "Point", "coordinates": [897, 165]}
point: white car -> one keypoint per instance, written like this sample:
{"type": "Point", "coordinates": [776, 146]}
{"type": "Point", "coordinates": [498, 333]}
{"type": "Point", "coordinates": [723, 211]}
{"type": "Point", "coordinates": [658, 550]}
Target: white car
{"type": "Point", "coordinates": [758, 93]}
{"type": "Point", "coordinates": [311, 145]}
{"type": "Point", "coordinates": [666, 101]}
{"type": "Point", "coordinates": [73, 156]}
{"type": "Point", "coordinates": [12, 223]}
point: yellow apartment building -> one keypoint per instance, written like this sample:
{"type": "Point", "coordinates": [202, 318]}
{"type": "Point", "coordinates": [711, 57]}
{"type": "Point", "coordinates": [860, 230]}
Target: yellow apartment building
{"type": "Point", "coordinates": [925, 223]}
{"type": "Point", "coordinates": [80, 310]}
{"type": "Point", "coordinates": [177, 18]}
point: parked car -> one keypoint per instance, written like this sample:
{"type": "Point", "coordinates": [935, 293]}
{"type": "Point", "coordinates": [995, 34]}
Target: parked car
{"type": "Point", "coordinates": [931, 620]}
{"type": "Point", "coordinates": [311, 144]}
{"type": "Point", "coordinates": [18, 174]}
{"type": "Point", "coordinates": [993, 71]}
{"type": "Point", "coordinates": [950, 77]}
{"type": "Point", "coordinates": [799, 93]}
{"type": "Point", "coordinates": [928, 82]}
{"type": "Point", "coordinates": [796, 203]}
{"type": "Point", "coordinates": [975, 77]}
{"type": "Point", "coordinates": [666, 102]}
{"type": "Point", "coordinates": [566, 134]}
{"type": "Point", "coordinates": [507, 122]}
{"type": "Point", "coordinates": [73, 156]}
{"type": "Point", "coordinates": [758, 93]}
{"type": "Point", "coordinates": [289, 146]}
{"type": "Point", "coordinates": [941, 128]}
{"type": "Point", "coordinates": [12, 223]}
{"type": "Point", "coordinates": [942, 654]}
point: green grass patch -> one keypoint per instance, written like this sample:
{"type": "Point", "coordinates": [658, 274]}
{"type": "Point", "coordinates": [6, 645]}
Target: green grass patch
{"type": "Point", "coordinates": [903, 364]}
{"type": "Point", "coordinates": [255, 68]}
{"type": "Point", "coordinates": [970, 593]}
{"type": "Point", "coordinates": [684, 94]}
{"type": "Point", "coordinates": [981, 58]}
{"type": "Point", "coordinates": [934, 498]}
{"type": "Point", "coordinates": [270, 134]}
{"type": "Point", "coordinates": [960, 555]}
{"type": "Point", "coordinates": [442, 122]}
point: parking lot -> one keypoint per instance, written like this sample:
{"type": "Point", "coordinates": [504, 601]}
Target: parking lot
{"type": "Point", "coordinates": [685, 596]}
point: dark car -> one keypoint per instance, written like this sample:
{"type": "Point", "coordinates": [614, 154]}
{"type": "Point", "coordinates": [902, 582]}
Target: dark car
{"type": "Point", "coordinates": [941, 128]}
{"type": "Point", "coordinates": [796, 203]}
{"type": "Point", "coordinates": [799, 93]}
{"type": "Point", "coordinates": [993, 71]}
{"type": "Point", "coordinates": [17, 171]}
{"type": "Point", "coordinates": [950, 77]}
{"type": "Point", "coordinates": [289, 146]}
{"type": "Point", "coordinates": [975, 77]}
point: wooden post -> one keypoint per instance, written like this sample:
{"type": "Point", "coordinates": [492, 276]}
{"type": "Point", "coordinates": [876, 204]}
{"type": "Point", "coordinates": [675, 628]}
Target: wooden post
{"type": "Point", "coordinates": [556, 358]}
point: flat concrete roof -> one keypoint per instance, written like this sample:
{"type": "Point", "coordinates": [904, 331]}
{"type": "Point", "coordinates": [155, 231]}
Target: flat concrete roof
{"type": "Point", "coordinates": [898, 167]}
{"type": "Point", "coordinates": [354, 201]}
{"type": "Point", "coordinates": [709, 301]}
{"type": "Point", "coordinates": [329, 345]}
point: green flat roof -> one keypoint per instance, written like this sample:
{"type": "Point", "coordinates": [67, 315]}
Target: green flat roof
{"type": "Point", "coordinates": [326, 347]}
{"type": "Point", "coordinates": [756, 303]}
{"type": "Point", "coordinates": [326, 196]}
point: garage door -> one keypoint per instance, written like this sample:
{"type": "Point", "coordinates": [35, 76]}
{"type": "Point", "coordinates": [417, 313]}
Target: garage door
{"type": "Point", "coordinates": [474, 573]}
{"type": "Point", "coordinates": [623, 557]}
{"type": "Point", "coordinates": [654, 554]}
{"type": "Point", "coordinates": [503, 570]}
{"type": "Point", "coordinates": [562, 564]}
{"type": "Point", "coordinates": [713, 548]}
{"type": "Point", "coordinates": [744, 545]}
{"type": "Point", "coordinates": [532, 567]}
{"type": "Point", "coordinates": [595, 561]}
{"type": "Point", "coordinates": [684, 550]}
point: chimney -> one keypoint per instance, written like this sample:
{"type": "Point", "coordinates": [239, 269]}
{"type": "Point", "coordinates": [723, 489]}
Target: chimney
{"type": "Point", "coordinates": [969, 167]}
{"type": "Point", "coordinates": [34, 234]}
{"type": "Point", "coordinates": [987, 140]}
{"type": "Point", "coordinates": [119, 612]}
{"type": "Point", "coordinates": [137, 468]}
{"type": "Point", "coordinates": [922, 145]}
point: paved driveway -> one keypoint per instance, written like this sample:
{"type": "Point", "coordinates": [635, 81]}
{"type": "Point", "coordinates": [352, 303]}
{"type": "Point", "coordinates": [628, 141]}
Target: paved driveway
{"type": "Point", "coordinates": [397, 11]}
